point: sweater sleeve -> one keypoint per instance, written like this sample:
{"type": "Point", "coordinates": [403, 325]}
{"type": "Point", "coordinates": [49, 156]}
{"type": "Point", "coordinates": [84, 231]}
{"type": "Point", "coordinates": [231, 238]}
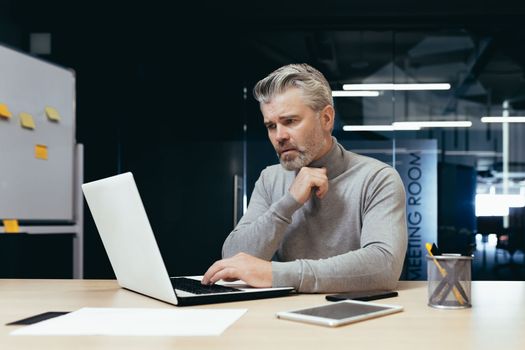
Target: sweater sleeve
{"type": "Point", "coordinates": [377, 264]}
{"type": "Point", "coordinates": [260, 231]}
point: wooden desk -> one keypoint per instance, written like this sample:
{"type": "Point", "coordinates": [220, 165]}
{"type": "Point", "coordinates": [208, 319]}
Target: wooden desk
{"type": "Point", "coordinates": [496, 320]}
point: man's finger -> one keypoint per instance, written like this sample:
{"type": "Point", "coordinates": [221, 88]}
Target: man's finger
{"type": "Point", "coordinates": [224, 274]}
{"type": "Point", "coordinates": [230, 279]}
{"type": "Point", "coordinates": [322, 189]}
{"type": "Point", "coordinates": [319, 184]}
{"type": "Point", "coordinates": [217, 266]}
{"type": "Point", "coordinates": [321, 171]}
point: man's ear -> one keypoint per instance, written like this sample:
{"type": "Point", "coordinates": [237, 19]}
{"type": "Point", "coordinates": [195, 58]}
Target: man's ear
{"type": "Point", "coordinates": [327, 118]}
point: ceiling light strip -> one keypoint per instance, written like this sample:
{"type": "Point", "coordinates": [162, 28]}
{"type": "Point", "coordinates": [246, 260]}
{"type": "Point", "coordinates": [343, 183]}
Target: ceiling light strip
{"type": "Point", "coordinates": [516, 119]}
{"type": "Point", "coordinates": [377, 128]}
{"type": "Point", "coordinates": [399, 126]}
{"type": "Point", "coordinates": [435, 124]}
{"type": "Point", "coordinates": [341, 93]}
{"type": "Point", "coordinates": [426, 86]}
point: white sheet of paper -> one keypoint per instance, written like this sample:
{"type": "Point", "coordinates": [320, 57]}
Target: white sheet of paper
{"type": "Point", "coordinates": [137, 322]}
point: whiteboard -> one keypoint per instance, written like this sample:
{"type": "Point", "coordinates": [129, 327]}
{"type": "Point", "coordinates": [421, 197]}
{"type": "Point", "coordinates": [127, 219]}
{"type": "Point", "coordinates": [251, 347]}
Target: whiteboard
{"type": "Point", "coordinates": [30, 188]}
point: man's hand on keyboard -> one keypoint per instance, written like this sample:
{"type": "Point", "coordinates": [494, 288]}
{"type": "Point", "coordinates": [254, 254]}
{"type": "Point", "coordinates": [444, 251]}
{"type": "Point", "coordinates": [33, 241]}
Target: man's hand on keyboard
{"type": "Point", "coordinates": [254, 271]}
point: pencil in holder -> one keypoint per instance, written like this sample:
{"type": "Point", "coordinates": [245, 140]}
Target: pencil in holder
{"type": "Point", "coordinates": [449, 281]}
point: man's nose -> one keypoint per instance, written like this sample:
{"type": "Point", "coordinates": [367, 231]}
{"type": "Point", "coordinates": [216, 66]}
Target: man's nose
{"type": "Point", "coordinates": [281, 134]}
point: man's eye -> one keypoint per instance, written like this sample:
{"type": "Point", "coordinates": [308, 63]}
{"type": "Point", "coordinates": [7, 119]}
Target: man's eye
{"type": "Point", "coordinates": [270, 126]}
{"type": "Point", "coordinates": [288, 121]}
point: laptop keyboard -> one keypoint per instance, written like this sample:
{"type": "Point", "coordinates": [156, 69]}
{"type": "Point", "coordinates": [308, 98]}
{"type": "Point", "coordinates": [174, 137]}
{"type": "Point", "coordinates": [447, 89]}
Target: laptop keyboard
{"type": "Point", "coordinates": [195, 287]}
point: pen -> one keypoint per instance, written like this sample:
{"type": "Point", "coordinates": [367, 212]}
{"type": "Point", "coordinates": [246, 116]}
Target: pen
{"type": "Point", "coordinates": [443, 273]}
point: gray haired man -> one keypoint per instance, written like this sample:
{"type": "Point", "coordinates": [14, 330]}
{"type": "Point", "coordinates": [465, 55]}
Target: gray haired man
{"type": "Point", "coordinates": [325, 219]}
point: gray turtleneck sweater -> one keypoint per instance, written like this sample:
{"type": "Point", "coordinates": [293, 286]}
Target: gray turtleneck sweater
{"type": "Point", "coordinates": [353, 239]}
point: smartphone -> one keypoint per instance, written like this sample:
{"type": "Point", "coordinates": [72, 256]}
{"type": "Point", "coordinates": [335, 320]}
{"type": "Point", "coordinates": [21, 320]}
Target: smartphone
{"type": "Point", "coordinates": [340, 313]}
{"type": "Point", "coordinates": [362, 296]}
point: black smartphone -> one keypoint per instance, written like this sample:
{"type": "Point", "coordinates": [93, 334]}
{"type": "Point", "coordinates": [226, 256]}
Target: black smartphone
{"type": "Point", "coordinates": [363, 296]}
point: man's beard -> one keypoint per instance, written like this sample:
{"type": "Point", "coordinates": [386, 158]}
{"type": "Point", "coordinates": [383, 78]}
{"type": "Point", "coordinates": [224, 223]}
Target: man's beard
{"type": "Point", "coordinates": [315, 142]}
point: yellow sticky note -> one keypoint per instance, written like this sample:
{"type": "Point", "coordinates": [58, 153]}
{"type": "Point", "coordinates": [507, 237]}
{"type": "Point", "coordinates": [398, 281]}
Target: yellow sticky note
{"type": "Point", "coordinates": [26, 120]}
{"type": "Point", "coordinates": [4, 111]}
{"type": "Point", "coordinates": [41, 152]}
{"type": "Point", "coordinates": [11, 226]}
{"type": "Point", "coordinates": [52, 114]}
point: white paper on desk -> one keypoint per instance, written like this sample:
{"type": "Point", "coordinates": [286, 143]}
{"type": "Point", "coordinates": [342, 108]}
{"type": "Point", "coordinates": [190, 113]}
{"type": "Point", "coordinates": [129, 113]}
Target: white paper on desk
{"type": "Point", "coordinates": [137, 322]}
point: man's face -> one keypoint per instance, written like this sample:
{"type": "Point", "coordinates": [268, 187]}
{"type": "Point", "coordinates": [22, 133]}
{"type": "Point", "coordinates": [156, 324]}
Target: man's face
{"type": "Point", "coordinates": [295, 130]}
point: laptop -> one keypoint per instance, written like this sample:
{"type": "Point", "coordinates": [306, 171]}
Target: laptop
{"type": "Point", "coordinates": [128, 239]}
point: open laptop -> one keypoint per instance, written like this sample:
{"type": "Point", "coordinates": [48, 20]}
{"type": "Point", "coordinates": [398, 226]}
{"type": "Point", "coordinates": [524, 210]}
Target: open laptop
{"type": "Point", "coordinates": [129, 241]}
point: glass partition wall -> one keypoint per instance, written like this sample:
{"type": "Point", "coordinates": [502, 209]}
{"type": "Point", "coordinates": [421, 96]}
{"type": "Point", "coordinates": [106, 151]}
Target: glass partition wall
{"type": "Point", "coordinates": [445, 108]}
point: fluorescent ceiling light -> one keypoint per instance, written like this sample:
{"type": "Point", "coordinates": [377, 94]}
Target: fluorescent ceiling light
{"type": "Point", "coordinates": [409, 126]}
{"type": "Point", "coordinates": [340, 93]}
{"type": "Point", "coordinates": [510, 200]}
{"type": "Point", "coordinates": [486, 205]}
{"type": "Point", "coordinates": [378, 128]}
{"type": "Point", "coordinates": [498, 204]}
{"type": "Point", "coordinates": [503, 119]}
{"type": "Point", "coordinates": [430, 86]}
{"type": "Point", "coordinates": [491, 210]}
{"type": "Point", "coordinates": [435, 124]}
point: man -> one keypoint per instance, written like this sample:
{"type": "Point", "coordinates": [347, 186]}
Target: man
{"type": "Point", "coordinates": [330, 220]}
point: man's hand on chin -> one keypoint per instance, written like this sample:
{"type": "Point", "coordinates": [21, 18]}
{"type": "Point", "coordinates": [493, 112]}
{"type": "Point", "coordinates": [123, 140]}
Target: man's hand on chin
{"type": "Point", "coordinates": [254, 271]}
{"type": "Point", "coordinates": [309, 179]}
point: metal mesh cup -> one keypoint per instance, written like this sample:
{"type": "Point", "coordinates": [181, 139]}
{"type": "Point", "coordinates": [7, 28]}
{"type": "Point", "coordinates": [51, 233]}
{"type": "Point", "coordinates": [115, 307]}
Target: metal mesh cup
{"type": "Point", "coordinates": [449, 281]}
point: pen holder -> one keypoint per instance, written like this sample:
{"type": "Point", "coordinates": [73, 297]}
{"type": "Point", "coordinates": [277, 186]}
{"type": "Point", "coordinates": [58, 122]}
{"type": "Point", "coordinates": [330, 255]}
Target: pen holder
{"type": "Point", "coordinates": [449, 281]}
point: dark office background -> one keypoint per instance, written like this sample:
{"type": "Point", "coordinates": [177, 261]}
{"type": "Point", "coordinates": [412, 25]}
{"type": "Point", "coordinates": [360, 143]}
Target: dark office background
{"type": "Point", "coordinates": [160, 93]}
